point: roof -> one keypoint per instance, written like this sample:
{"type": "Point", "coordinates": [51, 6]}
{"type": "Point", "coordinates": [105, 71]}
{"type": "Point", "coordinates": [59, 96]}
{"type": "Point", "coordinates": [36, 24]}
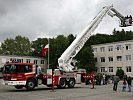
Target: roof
{"type": "Point", "coordinates": [21, 56]}
{"type": "Point", "coordinates": [113, 43]}
{"type": "Point", "coordinates": [18, 63]}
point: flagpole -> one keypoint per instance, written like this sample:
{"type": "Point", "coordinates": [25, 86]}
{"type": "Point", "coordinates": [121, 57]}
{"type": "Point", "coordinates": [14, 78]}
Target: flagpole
{"type": "Point", "coordinates": [48, 53]}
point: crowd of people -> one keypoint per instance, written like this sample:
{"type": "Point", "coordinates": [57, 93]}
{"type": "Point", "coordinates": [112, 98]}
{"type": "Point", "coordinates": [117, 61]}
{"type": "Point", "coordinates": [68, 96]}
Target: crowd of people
{"type": "Point", "coordinates": [104, 79]}
{"type": "Point", "coordinates": [127, 82]}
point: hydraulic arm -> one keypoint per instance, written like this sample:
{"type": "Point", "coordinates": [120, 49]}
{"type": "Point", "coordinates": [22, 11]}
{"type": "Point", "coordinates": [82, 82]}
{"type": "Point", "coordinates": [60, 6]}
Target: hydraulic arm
{"type": "Point", "coordinates": [66, 58]}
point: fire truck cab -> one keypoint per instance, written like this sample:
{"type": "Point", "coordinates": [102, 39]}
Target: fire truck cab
{"type": "Point", "coordinates": [20, 75]}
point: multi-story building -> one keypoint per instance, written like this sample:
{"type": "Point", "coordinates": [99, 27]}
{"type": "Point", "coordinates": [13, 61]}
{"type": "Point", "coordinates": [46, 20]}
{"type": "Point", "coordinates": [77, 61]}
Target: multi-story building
{"type": "Point", "coordinates": [112, 56]}
{"type": "Point", "coordinates": [26, 59]}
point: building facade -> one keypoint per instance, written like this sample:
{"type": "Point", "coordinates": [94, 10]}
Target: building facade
{"type": "Point", "coordinates": [112, 56]}
{"type": "Point", "coordinates": [24, 59]}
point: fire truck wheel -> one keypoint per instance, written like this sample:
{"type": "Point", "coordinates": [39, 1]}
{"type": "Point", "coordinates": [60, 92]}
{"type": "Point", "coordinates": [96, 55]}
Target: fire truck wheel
{"type": "Point", "coordinates": [30, 85]}
{"type": "Point", "coordinates": [18, 87]}
{"type": "Point", "coordinates": [49, 85]}
{"type": "Point", "coordinates": [62, 83]}
{"type": "Point", "coordinates": [71, 83]}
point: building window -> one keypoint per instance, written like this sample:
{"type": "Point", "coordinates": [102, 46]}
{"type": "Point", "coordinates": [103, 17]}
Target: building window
{"type": "Point", "coordinates": [102, 59]}
{"type": "Point", "coordinates": [110, 69]}
{"type": "Point", "coordinates": [119, 68]}
{"type": "Point", "coordinates": [119, 58]}
{"type": "Point", "coordinates": [128, 69]}
{"type": "Point", "coordinates": [27, 60]}
{"type": "Point", "coordinates": [110, 59]}
{"type": "Point", "coordinates": [35, 61]}
{"type": "Point", "coordinates": [110, 48]}
{"type": "Point", "coordinates": [128, 46]}
{"type": "Point", "coordinates": [42, 61]}
{"type": "Point", "coordinates": [94, 49]}
{"type": "Point", "coordinates": [118, 47]}
{"type": "Point", "coordinates": [95, 59]}
{"type": "Point", "coordinates": [102, 49]}
{"type": "Point", "coordinates": [102, 69]}
{"type": "Point", "coordinates": [13, 59]}
{"type": "Point", "coordinates": [128, 57]}
{"type": "Point", "coordinates": [20, 60]}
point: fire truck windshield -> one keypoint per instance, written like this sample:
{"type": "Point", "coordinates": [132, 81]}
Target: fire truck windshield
{"type": "Point", "coordinates": [14, 69]}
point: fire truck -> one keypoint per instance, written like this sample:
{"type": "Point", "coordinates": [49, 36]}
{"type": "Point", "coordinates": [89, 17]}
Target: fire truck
{"type": "Point", "coordinates": [26, 75]}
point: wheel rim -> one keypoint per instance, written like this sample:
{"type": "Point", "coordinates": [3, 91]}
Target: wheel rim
{"type": "Point", "coordinates": [31, 84]}
{"type": "Point", "coordinates": [72, 83]}
{"type": "Point", "coordinates": [63, 83]}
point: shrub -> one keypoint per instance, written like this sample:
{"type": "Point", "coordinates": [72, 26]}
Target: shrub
{"type": "Point", "coordinates": [120, 73]}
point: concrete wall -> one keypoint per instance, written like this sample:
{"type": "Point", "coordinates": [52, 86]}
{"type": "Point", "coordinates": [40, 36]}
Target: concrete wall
{"type": "Point", "coordinates": [6, 58]}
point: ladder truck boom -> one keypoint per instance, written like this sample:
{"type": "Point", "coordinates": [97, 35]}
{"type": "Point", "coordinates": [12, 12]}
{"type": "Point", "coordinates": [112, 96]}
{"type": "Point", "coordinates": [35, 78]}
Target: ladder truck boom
{"type": "Point", "coordinates": [66, 58]}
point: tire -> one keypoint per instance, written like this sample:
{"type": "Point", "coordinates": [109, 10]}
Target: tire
{"type": "Point", "coordinates": [30, 85]}
{"type": "Point", "coordinates": [71, 83]}
{"type": "Point", "coordinates": [18, 87]}
{"type": "Point", "coordinates": [49, 85]}
{"type": "Point", "coordinates": [62, 83]}
{"type": "Point", "coordinates": [87, 82]}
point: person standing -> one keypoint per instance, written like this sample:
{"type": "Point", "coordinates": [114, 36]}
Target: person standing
{"type": "Point", "coordinates": [116, 79]}
{"type": "Point", "coordinates": [39, 74]}
{"type": "Point", "coordinates": [129, 82]}
{"type": "Point", "coordinates": [38, 70]}
{"type": "Point", "coordinates": [124, 85]}
{"type": "Point", "coordinates": [103, 79]}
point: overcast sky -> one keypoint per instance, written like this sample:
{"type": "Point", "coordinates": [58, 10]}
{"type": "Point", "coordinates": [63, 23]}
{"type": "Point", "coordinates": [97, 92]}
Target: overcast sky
{"type": "Point", "coordinates": [47, 18]}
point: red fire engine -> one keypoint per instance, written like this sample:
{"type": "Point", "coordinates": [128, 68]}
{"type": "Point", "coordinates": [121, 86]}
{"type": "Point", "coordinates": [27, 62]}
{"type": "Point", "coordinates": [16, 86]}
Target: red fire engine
{"type": "Point", "coordinates": [26, 75]}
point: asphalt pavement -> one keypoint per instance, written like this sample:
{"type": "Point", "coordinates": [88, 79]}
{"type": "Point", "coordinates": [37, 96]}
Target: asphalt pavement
{"type": "Point", "coordinates": [80, 92]}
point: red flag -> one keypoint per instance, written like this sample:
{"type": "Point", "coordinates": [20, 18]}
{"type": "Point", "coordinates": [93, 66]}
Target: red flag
{"type": "Point", "coordinates": [45, 50]}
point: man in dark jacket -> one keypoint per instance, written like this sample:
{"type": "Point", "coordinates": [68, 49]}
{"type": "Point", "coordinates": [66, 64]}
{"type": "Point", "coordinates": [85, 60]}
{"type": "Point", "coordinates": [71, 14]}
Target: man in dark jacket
{"type": "Point", "coordinates": [116, 79]}
{"type": "Point", "coordinates": [129, 81]}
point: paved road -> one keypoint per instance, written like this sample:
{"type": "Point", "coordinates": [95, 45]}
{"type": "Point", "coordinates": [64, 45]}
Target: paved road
{"type": "Point", "coordinates": [80, 92]}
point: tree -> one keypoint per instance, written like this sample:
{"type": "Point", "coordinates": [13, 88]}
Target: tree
{"type": "Point", "coordinates": [18, 46]}
{"type": "Point", "coordinates": [114, 31]}
{"type": "Point", "coordinates": [129, 35]}
{"type": "Point", "coordinates": [8, 47]}
{"type": "Point", "coordinates": [122, 35]}
{"type": "Point", "coordinates": [98, 39]}
{"type": "Point", "coordinates": [70, 38]}
{"type": "Point", "coordinates": [57, 46]}
{"type": "Point", "coordinates": [38, 45]}
{"type": "Point", "coordinates": [120, 73]}
{"type": "Point", "coordinates": [86, 58]}
{"type": "Point", "coordinates": [22, 46]}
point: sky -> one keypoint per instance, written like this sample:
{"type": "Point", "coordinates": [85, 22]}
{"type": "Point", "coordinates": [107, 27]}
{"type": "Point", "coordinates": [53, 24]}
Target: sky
{"type": "Point", "coordinates": [49, 18]}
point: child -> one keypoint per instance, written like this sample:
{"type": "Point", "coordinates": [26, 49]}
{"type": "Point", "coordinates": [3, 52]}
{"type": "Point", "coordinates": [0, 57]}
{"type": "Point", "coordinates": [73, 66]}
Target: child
{"type": "Point", "coordinates": [124, 85]}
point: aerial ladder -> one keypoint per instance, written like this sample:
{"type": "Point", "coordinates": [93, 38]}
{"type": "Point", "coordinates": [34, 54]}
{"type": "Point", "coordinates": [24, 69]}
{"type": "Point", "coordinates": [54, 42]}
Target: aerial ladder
{"type": "Point", "coordinates": [66, 58]}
